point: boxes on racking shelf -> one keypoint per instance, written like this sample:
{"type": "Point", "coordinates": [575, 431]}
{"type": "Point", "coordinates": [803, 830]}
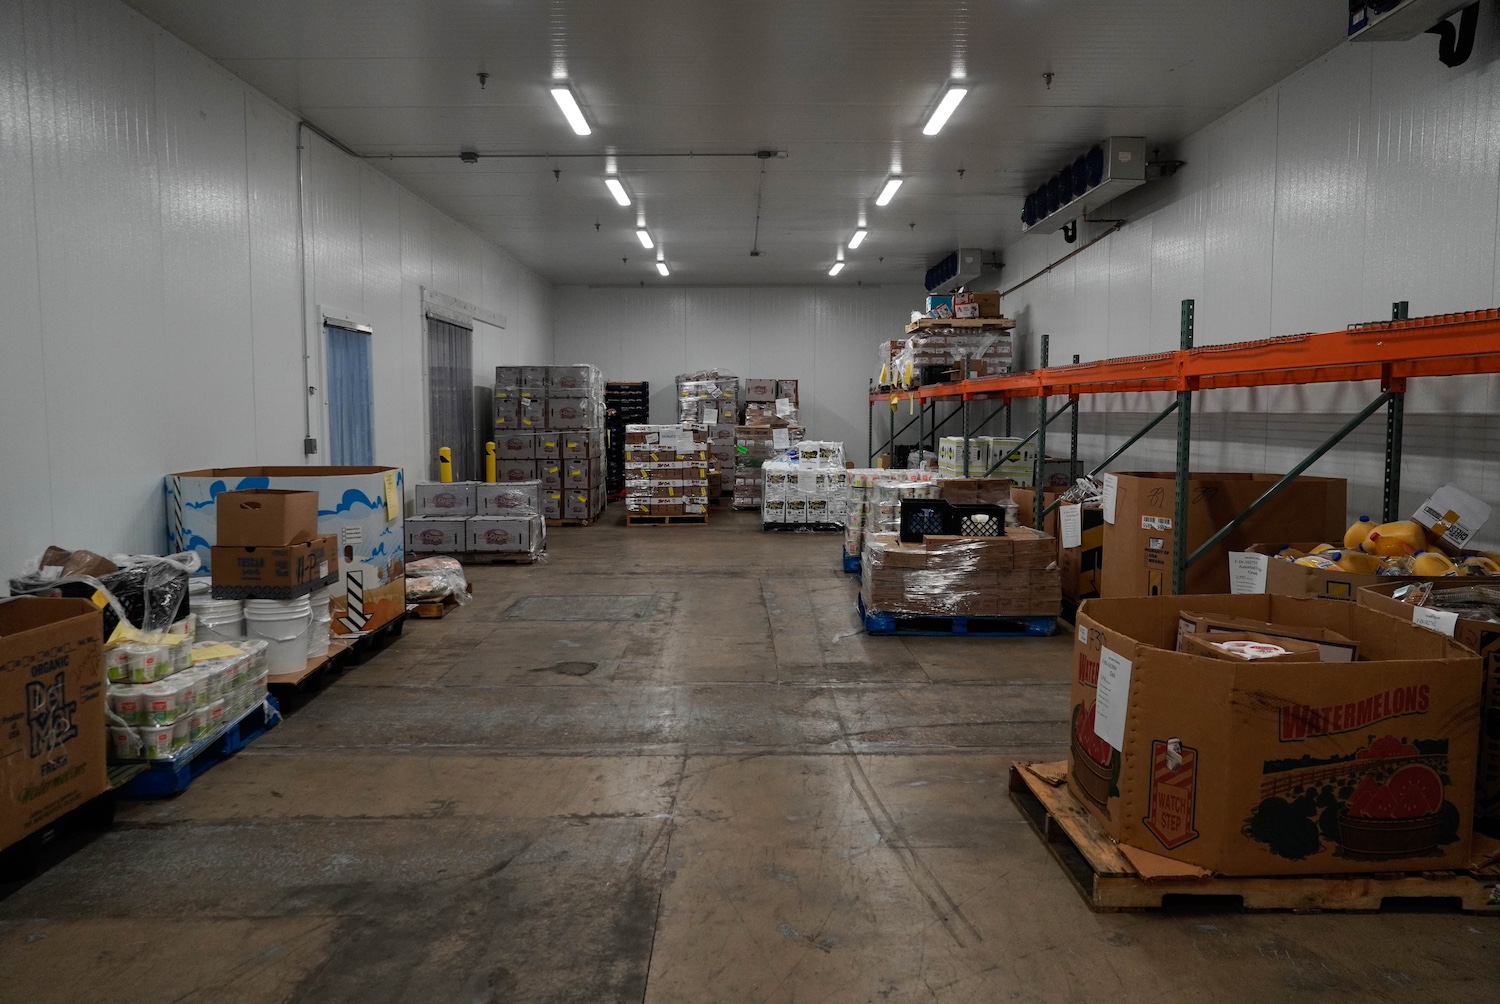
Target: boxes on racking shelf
{"type": "Point", "coordinates": [1011, 576]}
{"type": "Point", "coordinates": [1271, 767]}
{"type": "Point", "coordinates": [951, 457]}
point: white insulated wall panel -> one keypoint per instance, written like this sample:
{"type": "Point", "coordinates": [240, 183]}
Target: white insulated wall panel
{"type": "Point", "coordinates": [151, 278]}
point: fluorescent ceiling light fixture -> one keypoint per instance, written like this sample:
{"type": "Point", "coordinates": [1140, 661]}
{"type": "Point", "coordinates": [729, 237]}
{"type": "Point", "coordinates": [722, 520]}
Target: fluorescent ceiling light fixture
{"type": "Point", "coordinates": [858, 238]}
{"type": "Point", "coordinates": [888, 192]}
{"type": "Point", "coordinates": [569, 105]}
{"type": "Point", "coordinates": [661, 267]}
{"type": "Point", "coordinates": [617, 190]}
{"type": "Point", "coordinates": [943, 110]}
{"type": "Point", "coordinates": [838, 267]}
{"type": "Point", "coordinates": [645, 238]}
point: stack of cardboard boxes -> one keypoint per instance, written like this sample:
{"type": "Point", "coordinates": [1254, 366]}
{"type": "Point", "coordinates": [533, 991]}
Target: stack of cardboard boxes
{"type": "Point", "coordinates": [1014, 576]}
{"type": "Point", "coordinates": [666, 471]}
{"type": "Point", "coordinates": [1015, 461]}
{"type": "Point", "coordinates": [770, 428]}
{"type": "Point", "coordinates": [268, 546]}
{"type": "Point", "coordinates": [476, 517]}
{"type": "Point", "coordinates": [549, 427]}
{"type": "Point", "coordinates": [810, 491]}
{"type": "Point", "coordinates": [708, 397]}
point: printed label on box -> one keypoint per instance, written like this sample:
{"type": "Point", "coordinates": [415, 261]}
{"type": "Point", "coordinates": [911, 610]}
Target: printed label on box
{"type": "Point", "coordinates": [1247, 572]}
{"type": "Point", "coordinates": [1111, 494]}
{"type": "Point", "coordinates": [1070, 519]}
{"type": "Point", "coordinates": [1114, 698]}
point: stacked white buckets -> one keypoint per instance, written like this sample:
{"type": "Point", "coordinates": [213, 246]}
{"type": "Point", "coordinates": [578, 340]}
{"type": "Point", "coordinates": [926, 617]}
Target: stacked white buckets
{"type": "Point", "coordinates": [322, 623]}
{"type": "Point", "coordinates": [285, 626]}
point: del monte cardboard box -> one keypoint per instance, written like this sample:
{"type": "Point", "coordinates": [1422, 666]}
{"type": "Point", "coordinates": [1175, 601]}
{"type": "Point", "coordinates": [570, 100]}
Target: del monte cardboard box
{"type": "Point", "coordinates": [1275, 768]}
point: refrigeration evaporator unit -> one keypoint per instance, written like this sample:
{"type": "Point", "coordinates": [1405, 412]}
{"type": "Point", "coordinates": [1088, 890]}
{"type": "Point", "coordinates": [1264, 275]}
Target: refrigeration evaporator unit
{"type": "Point", "coordinates": [1108, 170]}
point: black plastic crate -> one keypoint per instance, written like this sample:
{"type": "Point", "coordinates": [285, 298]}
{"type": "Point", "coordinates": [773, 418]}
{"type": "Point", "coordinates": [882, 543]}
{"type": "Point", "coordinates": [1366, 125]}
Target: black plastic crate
{"type": "Point", "coordinates": [939, 517]}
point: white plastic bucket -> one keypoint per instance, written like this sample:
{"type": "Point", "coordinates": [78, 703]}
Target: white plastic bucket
{"type": "Point", "coordinates": [219, 620]}
{"type": "Point", "coordinates": [284, 625]}
{"type": "Point", "coordinates": [322, 623]}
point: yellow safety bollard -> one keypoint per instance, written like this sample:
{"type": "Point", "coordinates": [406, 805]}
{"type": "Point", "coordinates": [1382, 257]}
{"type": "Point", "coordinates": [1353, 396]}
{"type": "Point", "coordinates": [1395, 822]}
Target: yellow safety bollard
{"type": "Point", "coordinates": [489, 462]}
{"type": "Point", "coordinates": [445, 465]}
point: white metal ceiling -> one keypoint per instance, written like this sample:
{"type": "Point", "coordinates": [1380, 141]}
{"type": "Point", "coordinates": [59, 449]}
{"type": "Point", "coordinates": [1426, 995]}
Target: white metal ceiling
{"type": "Point", "coordinates": [842, 86]}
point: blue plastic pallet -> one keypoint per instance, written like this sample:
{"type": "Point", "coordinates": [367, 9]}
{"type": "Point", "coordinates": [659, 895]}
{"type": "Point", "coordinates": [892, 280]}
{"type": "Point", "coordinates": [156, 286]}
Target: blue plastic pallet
{"type": "Point", "coordinates": [163, 779]}
{"type": "Point", "coordinates": [984, 627]}
{"type": "Point", "coordinates": [851, 564]}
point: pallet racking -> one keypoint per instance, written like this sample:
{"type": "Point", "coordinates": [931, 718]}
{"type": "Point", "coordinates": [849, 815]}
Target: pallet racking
{"type": "Point", "coordinates": [1391, 352]}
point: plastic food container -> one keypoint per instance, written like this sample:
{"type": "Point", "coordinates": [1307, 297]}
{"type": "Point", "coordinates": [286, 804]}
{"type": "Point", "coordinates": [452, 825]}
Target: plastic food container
{"type": "Point", "coordinates": [146, 662]}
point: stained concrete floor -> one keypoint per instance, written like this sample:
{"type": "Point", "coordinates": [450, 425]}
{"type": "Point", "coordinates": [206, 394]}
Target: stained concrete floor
{"type": "Point", "coordinates": [663, 766]}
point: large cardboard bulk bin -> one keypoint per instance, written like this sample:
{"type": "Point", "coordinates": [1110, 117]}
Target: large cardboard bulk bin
{"type": "Point", "coordinates": [1139, 510]}
{"type": "Point", "coordinates": [1272, 767]}
{"type": "Point", "coordinates": [359, 506]}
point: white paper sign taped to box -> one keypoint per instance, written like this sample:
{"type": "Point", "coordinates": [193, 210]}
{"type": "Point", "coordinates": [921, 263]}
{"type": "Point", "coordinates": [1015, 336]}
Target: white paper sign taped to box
{"type": "Point", "coordinates": [1111, 494]}
{"type": "Point", "coordinates": [1070, 521]}
{"type": "Point", "coordinates": [1247, 572]}
{"type": "Point", "coordinates": [1441, 621]}
{"type": "Point", "coordinates": [1113, 698]}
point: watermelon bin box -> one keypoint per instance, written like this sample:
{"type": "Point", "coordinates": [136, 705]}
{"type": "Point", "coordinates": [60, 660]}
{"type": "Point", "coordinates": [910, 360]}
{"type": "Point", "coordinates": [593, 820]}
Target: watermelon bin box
{"type": "Point", "coordinates": [361, 506]}
{"type": "Point", "coordinates": [1272, 767]}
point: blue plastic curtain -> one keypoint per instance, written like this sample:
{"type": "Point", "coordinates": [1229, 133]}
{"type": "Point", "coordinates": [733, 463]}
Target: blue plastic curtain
{"type": "Point", "coordinates": [351, 404]}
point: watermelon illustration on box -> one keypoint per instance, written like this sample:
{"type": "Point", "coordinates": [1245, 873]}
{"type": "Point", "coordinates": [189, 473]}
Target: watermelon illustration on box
{"type": "Point", "coordinates": [361, 506]}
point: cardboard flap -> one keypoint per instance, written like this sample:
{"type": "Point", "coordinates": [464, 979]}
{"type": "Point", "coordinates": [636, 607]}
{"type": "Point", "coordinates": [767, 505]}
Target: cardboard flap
{"type": "Point", "coordinates": [1055, 774]}
{"type": "Point", "coordinates": [1154, 866]}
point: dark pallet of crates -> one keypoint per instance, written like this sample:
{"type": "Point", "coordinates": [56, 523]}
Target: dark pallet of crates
{"type": "Point", "coordinates": [1108, 882]}
{"type": "Point", "coordinates": [879, 622]}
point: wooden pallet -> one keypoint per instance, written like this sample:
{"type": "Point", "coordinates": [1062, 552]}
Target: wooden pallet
{"type": "Point", "coordinates": [498, 558]}
{"type": "Point", "coordinates": [344, 651]}
{"type": "Point", "coordinates": [941, 323]}
{"type": "Point", "coordinates": [699, 520]}
{"type": "Point", "coordinates": [433, 610]}
{"type": "Point", "coordinates": [1114, 878]}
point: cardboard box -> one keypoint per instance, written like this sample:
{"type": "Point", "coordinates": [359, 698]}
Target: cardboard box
{"type": "Point", "coordinates": [1010, 576]}
{"type": "Point", "coordinates": [507, 377]}
{"type": "Point", "coordinates": [552, 507]}
{"type": "Point", "coordinates": [1453, 516]}
{"type": "Point", "coordinates": [573, 381]}
{"type": "Point", "coordinates": [1081, 552]}
{"type": "Point", "coordinates": [573, 413]}
{"type": "Point", "coordinates": [939, 306]}
{"type": "Point", "coordinates": [515, 446]}
{"type": "Point", "coordinates": [1482, 636]}
{"type": "Point", "coordinates": [1279, 768]}
{"type": "Point", "coordinates": [1210, 646]}
{"type": "Point", "coordinates": [1332, 646]}
{"type": "Point", "coordinates": [966, 310]}
{"type": "Point", "coordinates": [988, 301]}
{"type": "Point", "coordinates": [787, 389]}
{"type": "Point", "coordinates": [760, 389]}
{"type": "Point", "coordinates": [516, 498]}
{"type": "Point", "coordinates": [1256, 570]}
{"type": "Point", "coordinates": [501, 534]}
{"type": "Point", "coordinates": [549, 472]}
{"type": "Point", "coordinates": [437, 534]}
{"type": "Point", "coordinates": [437, 498]}
{"type": "Point", "coordinates": [52, 748]}
{"type": "Point", "coordinates": [359, 506]}
{"type": "Point", "coordinates": [507, 415]}
{"type": "Point", "coordinates": [1138, 530]}
{"type": "Point", "coordinates": [533, 414]}
{"type": "Point", "coordinates": [267, 516]}
{"type": "Point", "coordinates": [534, 376]}
{"type": "Point", "coordinates": [548, 445]}
{"type": "Point", "coordinates": [577, 445]}
{"type": "Point", "coordinates": [274, 573]}
{"type": "Point", "coordinates": [516, 470]}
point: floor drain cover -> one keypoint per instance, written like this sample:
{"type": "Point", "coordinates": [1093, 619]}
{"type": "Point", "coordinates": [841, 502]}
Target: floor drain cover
{"type": "Point", "coordinates": [585, 608]}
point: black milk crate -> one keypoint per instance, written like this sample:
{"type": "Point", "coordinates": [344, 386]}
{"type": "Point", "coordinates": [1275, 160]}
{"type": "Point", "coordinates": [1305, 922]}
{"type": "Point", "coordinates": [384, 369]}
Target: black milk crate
{"type": "Point", "coordinates": [939, 517]}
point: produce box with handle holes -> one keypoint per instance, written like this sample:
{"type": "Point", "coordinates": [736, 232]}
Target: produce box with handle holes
{"type": "Point", "coordinates": [1270, 767]}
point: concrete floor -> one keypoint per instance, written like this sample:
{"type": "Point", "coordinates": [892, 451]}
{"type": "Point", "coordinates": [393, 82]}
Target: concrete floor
{"type": "Point", "coordinates": [726, 793]}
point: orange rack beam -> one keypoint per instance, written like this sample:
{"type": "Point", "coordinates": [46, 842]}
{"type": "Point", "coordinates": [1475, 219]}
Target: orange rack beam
{"type": "Point", "coordinates": [1388, 351]}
